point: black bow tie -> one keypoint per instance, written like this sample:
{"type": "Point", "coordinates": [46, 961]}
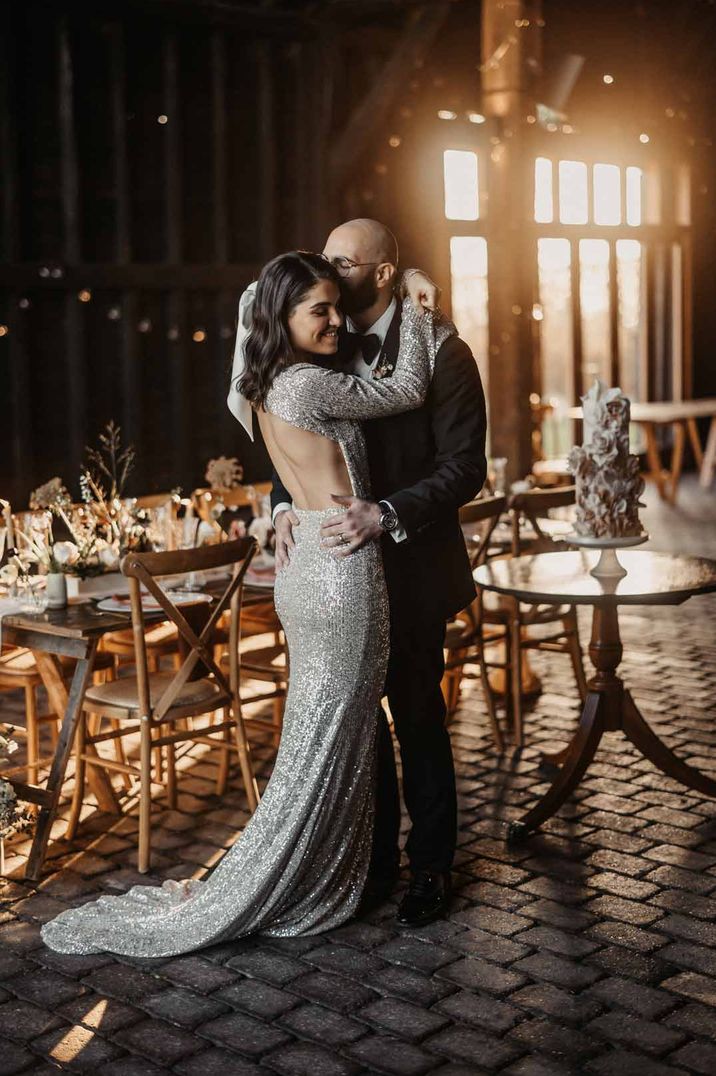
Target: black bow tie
{"type": "Point", "coordinates": [367, 343]}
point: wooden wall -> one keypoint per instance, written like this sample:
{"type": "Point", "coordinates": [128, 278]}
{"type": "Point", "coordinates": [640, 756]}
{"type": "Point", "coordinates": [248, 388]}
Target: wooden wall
{"type": "Point", "coordinates": [125, 240]}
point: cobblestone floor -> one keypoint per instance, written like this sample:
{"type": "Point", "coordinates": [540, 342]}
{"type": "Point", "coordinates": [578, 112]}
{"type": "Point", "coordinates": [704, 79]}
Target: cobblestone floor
{"type": "Point", "coordinates": [591, 948]}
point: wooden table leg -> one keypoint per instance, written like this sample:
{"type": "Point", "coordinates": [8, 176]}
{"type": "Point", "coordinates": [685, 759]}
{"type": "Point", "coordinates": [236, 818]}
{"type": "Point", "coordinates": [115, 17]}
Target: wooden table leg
{"type": "Point", "coordinates": [51, 673]}
{"type": "Point", "coordinates": [645, 739]}
{"type": "Point", "coordinates": [654, 458]}
{"type": "Point", "coordinates": [708, 465]}
{"type": "Point", "coordinates": [677, 459]}
{"type": "Point", "coordinates": [46, 817]}
{"type": "Point", "coordinates": [609, 708]}
{"type": "Point", "coordinates": [693, 431]}
{"type": "Point", "coordinates": [579, 754]}
{"type": "Point", "coordinates": [601, 713]}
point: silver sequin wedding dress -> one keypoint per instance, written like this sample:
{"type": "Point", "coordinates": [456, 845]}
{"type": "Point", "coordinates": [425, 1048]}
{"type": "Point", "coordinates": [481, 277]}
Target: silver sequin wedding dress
{"type": "Point", "coordinates": [300, 864]}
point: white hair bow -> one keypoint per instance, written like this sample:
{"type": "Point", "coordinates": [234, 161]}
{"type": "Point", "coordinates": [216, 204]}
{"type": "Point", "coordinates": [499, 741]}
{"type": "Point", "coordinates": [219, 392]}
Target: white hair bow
{"type": "Point", "coordinates": [239, 406]}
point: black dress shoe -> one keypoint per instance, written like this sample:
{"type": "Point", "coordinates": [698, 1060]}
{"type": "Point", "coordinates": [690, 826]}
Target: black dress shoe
{"type": "Point", "coordinates": [426, 899]}
{"type": "Point", "coordinates": [378, 888]}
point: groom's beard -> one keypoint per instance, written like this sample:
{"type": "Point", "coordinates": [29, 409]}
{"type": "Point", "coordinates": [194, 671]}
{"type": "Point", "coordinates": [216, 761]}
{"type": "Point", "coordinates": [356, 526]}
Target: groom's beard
{"type": "Point", "coordinates": [360, 296]}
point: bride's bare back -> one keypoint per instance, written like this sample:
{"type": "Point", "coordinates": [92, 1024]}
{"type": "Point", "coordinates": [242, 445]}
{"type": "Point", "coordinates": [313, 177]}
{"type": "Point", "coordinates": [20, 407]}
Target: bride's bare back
{"type": "Point", "coordinates": [310, 465]}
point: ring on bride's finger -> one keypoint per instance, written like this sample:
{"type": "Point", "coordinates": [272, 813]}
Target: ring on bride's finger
{"type": "Point", "coordinates": [343, 539]}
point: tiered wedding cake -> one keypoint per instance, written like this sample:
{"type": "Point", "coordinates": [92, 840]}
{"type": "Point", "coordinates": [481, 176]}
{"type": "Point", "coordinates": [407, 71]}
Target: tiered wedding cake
{"type": "Point", "coordinates": [606, 473]}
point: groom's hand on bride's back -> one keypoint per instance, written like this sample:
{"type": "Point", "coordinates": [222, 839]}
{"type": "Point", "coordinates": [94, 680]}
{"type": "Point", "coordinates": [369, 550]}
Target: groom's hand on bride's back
{"type": "Point", "coordinates": [423, 292]}
{"type": "Point", "coordinates": [283, 526]}
{"type": "Point", "coordinates": [359, 524]}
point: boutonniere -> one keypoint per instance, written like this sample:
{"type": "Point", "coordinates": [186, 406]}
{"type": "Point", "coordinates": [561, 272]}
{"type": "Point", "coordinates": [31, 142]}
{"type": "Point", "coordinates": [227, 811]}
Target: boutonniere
{"type": "Point", "coordinates": [383, 370]}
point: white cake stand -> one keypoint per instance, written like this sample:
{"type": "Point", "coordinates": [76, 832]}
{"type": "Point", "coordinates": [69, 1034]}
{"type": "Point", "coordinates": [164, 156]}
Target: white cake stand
{"type": "Point", "coordinates": [608, 565]}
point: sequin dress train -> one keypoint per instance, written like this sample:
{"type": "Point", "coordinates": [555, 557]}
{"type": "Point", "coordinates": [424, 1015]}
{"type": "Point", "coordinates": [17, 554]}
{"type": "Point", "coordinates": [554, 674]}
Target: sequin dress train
{"type": "Point", "coordinates": [300, 864]}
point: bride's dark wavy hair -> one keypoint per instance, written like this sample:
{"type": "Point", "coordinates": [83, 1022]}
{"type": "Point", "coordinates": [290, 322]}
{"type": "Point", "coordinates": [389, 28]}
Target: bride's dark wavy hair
{"type": "Point", "coordinates": [282, 285]}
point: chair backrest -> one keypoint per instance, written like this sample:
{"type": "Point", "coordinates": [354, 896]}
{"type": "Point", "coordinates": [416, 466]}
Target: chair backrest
{"type": "Point", "coordinates": [533, 505]}
{"type": "Point", "coordinates": [142, 569]}
{"type": "Point", "coordinates": [483, 510]}
{"type": "Point", "coordinates": [206, 499]}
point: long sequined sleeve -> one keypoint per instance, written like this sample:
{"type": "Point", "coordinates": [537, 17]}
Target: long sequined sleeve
{"type": "Point", "coordinates": [327, 394]}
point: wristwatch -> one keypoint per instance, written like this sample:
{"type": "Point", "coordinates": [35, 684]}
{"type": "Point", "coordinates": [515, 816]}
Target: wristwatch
{"type": "Point", "coordinates": [388, 518]}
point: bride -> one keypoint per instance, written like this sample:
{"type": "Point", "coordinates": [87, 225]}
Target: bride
{"type": "Point", "coordinates": [300, 865]}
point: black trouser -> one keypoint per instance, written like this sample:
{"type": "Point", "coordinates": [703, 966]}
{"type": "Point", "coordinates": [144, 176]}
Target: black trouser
{"type": "Point", "coordinates": [415, 670]}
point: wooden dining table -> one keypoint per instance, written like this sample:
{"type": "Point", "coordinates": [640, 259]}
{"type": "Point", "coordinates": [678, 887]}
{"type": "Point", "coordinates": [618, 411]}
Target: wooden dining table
{"type": "Point", "coordinates": [75, 632]}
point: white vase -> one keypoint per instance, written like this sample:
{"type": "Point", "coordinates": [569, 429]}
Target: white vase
{"type": "Point", "coordinates": [56, 590]}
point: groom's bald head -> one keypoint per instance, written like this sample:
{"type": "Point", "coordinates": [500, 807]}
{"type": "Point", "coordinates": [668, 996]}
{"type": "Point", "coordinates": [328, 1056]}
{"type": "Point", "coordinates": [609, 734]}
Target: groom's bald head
{"type": "Point", "coordinates": [365, 253]}
{"type": "Point", "coordinates": [369, 241]}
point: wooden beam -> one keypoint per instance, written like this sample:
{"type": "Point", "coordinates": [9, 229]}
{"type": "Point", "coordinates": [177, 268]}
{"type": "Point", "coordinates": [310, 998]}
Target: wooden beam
{"type": "Point", "coordinates": [68, 148]}
{"type": "Point", "coordinates": [74, 328]}
{"type": "Point", "coordinates": [120, 162]}
{"type": "Point", "coordinates": [615, 364]}
{"type": "Point", "coordinates": [576, 289]}
{"type": "Point", "coordinates": [177, 354]}
{"type": "Point", "coordinates": [218, 93]}
{"type": "Point", "coordinates": [173, 211]}
{"type": "Point", "coordinates": [19, 401]}
{"type": "Point", "coordinates": [369, 116]}
{"type": "Point", "coordinates": [267, 151]}
{"type": "Point", "coordinates": [9, 239]}
{"type": "Point", "coordinates": [147, 276]}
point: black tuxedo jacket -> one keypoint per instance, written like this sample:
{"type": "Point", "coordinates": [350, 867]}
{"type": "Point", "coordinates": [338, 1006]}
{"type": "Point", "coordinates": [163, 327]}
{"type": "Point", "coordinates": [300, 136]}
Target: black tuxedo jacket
{"type": "Point", "coordinates": [427, 463]}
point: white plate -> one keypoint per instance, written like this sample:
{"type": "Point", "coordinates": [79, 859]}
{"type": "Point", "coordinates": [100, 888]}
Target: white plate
{"type": "Point", "coordinates": [118, 604]}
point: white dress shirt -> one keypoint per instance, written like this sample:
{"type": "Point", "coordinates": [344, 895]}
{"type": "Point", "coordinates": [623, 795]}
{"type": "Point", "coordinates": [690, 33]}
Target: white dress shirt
{"type": "Point", "coordinates": [365, 370]}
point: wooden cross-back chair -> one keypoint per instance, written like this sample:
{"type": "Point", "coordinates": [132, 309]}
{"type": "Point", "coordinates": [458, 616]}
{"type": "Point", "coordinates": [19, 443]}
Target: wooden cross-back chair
{"type": "Point", "coordinates": [157, 705]}
{"type": "Point", "coordinates": [531, 507]}
{"type": "Point", "coordinates": [467, 636]}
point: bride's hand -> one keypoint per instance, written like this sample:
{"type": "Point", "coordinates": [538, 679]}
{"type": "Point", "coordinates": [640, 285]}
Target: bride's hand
{"type": "Point", "coordinates": [422, 291]}
{"type": "Point", "coordinates": [283, 525]}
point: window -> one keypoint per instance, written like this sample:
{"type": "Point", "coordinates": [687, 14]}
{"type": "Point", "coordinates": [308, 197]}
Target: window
{"type": "Point", "coordinates": [468, 272]}
{"type": "Point", "coordinates": [461, 189]}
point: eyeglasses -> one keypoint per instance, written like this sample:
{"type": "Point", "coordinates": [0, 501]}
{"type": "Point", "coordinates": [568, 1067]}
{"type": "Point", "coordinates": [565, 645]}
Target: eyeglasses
{"type": "Point", "coordinates": [344, 266]}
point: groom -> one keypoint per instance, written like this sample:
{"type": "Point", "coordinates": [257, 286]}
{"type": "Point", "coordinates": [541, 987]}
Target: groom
{"type": "Point", "coordinates": [424, 464]}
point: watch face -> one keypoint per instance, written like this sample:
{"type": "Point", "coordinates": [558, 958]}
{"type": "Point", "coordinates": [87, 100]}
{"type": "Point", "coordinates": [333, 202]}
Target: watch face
{"type": "Point", "coordinates": [389, 520]}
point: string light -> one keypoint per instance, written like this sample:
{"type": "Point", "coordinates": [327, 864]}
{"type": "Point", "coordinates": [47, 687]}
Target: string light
{"type": "Point", "coordinates": [162, 119]}
{"type": "Point", "coordinates": [85, 295]}
{"type": "Point", "coordinates": [114, 313]}
{"type": "Point", "coordinates": [531, 119]}
{"type": "Point", "coordinates": [173, 333]}
{"type": "Point", "coordinates": [381, 169]}
{"type": "Point", "coordinates": [4, 330]}
{"type": "Point", "coordinates": [144, 326]}
{"type": "Point", "coordinates": [394, 141]}
{"type": "Point", "coordinates": [446, 114]}
{"type": "Point", "coordinates": [476, 117]}
{"type": "Point", "coordinates": [24, 304]}
{"type": "Point", "coordinates": [199, 336]}
{"type": "Point", "coordinates": [608, 79]}
{"type": "Point", "coordinates": [537, 311]}
{"type": "Point", "coordinates": [43, 271]}
{"type": "Point", "coordinates": [57, 272]}
{"type": "Point", "coordinates": [643, 137]}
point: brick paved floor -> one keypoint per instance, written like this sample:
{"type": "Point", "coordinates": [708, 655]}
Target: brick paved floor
{"type": "Point", "coordinates": [589, 949]}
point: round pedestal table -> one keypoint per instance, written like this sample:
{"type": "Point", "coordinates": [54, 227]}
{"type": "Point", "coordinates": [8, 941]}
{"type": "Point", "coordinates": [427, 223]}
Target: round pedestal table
{"type": "Point", "coordinates": [650, 579]}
